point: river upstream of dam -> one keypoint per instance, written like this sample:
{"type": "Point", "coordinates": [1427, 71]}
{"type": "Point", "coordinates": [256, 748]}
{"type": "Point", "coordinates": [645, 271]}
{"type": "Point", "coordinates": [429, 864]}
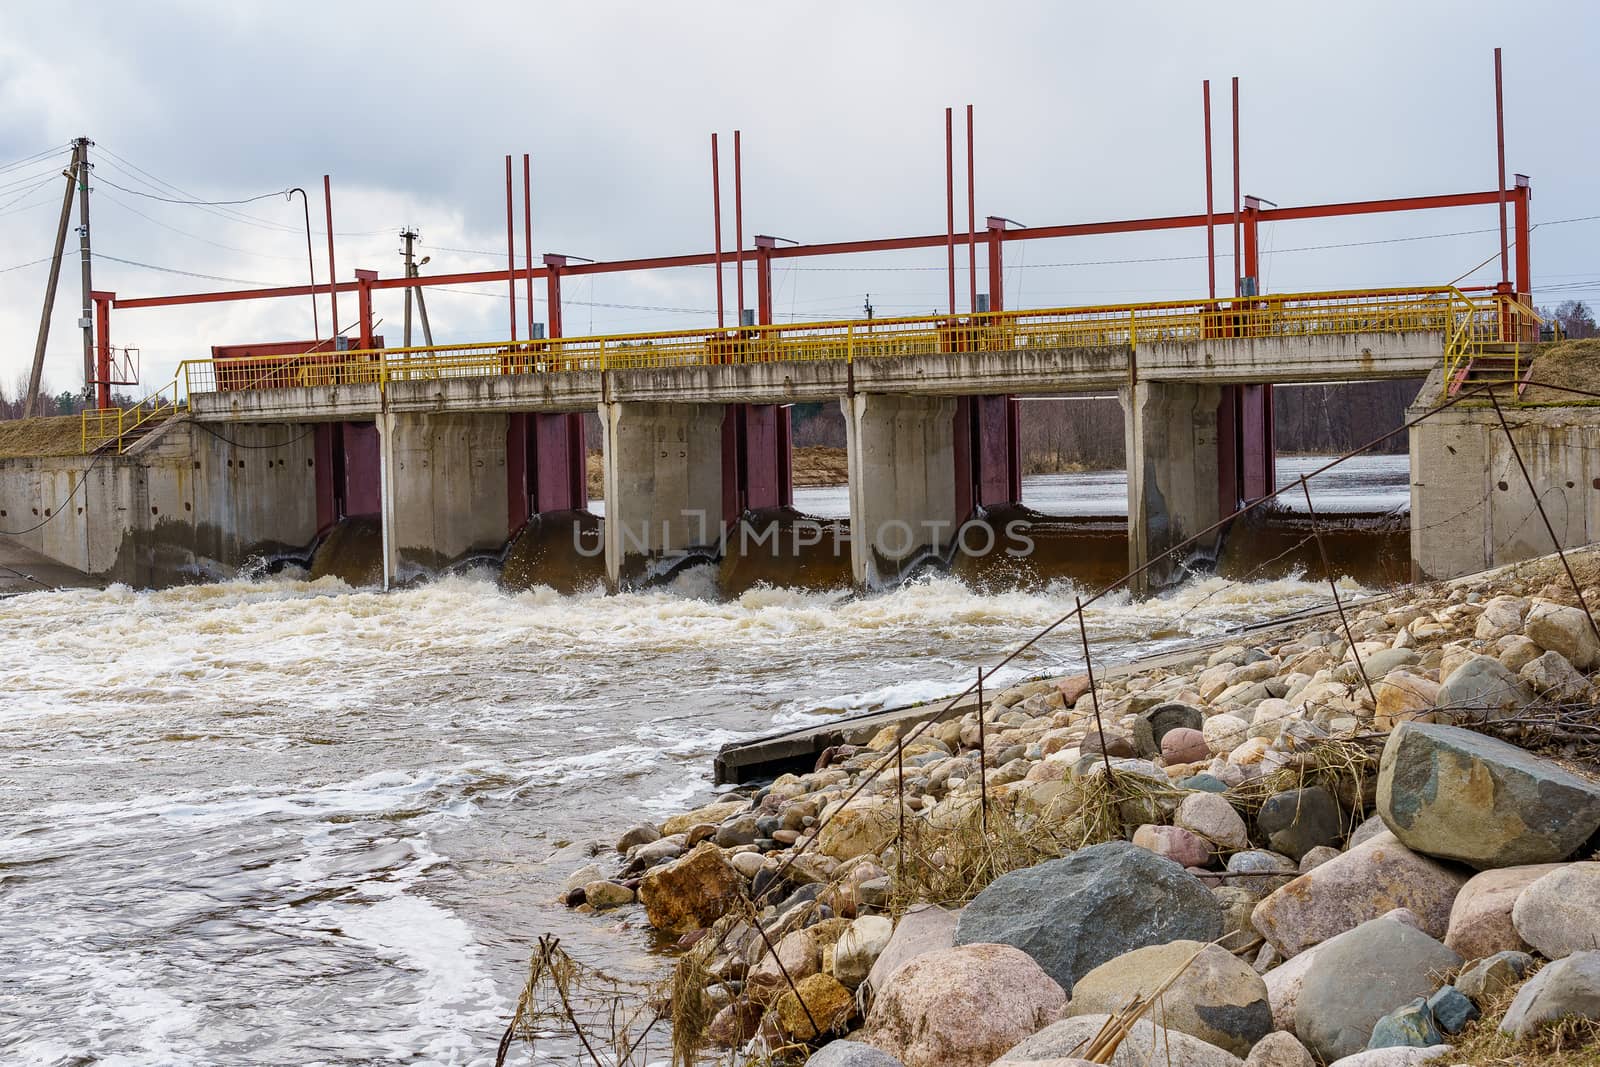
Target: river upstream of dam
{"type": "Point", "coordinates": [291, 822]}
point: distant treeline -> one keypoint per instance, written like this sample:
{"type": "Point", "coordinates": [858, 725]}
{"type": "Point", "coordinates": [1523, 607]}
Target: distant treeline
{"type": "Point", "coordinates": [1064, 433]}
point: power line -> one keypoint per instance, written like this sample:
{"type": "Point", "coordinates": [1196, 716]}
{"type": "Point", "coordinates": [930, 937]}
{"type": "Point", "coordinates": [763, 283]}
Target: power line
{"type": "Point", "coordinates": [192, 236]}
{"type": "Point", "coordinates": [30, 263]}
{"type": "Point", "coordinates": [188, 273]}
{"type": "Point", "coordinates": [191, 203]}
{"type": "Point", "coordinates": [29, 159]}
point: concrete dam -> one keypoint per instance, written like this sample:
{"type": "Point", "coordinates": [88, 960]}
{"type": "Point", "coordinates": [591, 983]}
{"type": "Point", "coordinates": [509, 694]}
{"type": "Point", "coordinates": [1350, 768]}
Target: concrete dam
{"type": "Point", "coordinates": [430, 457]}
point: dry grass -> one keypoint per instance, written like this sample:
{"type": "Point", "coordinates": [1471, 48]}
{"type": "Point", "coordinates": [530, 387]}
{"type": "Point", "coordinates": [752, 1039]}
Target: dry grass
{"type": "Point", "coordinates": [59, 435]}
{"type": "Point", "coordinates": [1575, 364]}
{"type": "Point", "coordinates": [818, 465]}
{"type": "Point", "coordinates": [1570, 1044]}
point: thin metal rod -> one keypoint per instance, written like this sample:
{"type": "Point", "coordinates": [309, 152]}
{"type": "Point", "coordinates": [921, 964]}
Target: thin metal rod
{"type": "Point", "coordinates": [1500, 144]}
{"type": "Point", "coordinates": [333, 273]}
{"type": "Point", "coordinates": [972, 227]}
{"type": "Point", "coordinates": [527, 232]}
{"type": "Point", "coordinates": [900, 810]}
{"type": "Point", "coordinates": [950, 204]}
{"type": "Point", "coordinates": [1237, 283]}
{"type": "Point", "coordinates": [765, 940]}
{"type": "Point", "coordinates": [1211, 233]}
{"type": "Point", "coordinates": [1094, 695]}
{"type": "Point", "coordinates": [716, 222]}
{"type": "Point", "coordinates": [983, 759]}
{"type": "Point", "coordinates": [1539, 503]}
{"type": "Point", "coordinates": [511, 251]}
{"type": "Point", "coordinates": [1333, 586]}
{"type": "Point", "coordinates": [738, 227]}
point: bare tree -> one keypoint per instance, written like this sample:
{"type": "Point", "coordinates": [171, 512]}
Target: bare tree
{"type": "Point", "coordinates": [1574, 318]}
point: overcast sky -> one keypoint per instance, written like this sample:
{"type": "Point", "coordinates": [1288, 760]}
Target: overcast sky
{"type": "Point", "coordinates": [1084, 112]}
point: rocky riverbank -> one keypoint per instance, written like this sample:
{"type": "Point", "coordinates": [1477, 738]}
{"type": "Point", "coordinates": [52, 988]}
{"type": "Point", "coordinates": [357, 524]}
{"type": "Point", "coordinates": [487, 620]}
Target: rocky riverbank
{"type": "Point", "coordinates": [1287, 852]}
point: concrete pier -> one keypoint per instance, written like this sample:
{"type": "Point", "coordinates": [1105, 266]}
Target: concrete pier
{"type": "Point", "coordinates": [445, 482]}
{"type": "Point", "coordinates": [901, 455]}
{"type": "Point", "coordinates": [1171, 434]}
{"type": "Point", "coordinates": [663, 487]}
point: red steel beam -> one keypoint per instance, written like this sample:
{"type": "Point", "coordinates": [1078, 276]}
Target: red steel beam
{"type": "Point", "coordinates": [838, 248]}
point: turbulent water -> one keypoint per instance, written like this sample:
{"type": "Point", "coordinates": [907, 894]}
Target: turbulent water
{"type": "Point", "coordinates": [291, 822]}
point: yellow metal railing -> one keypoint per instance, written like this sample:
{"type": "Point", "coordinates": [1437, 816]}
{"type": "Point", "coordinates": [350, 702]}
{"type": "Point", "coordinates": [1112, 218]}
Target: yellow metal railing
{"type": "Point", "coordinates": [99, 427]}
{"type": "Point", "coordinates": [1491, 325]}
{"type": "Point", "coordinates": [1459, 317]}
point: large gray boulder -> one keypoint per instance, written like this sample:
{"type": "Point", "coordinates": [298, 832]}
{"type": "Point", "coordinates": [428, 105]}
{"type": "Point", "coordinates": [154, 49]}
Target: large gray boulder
{"type": "Point", "coordinates": [1568, 988]}
{"type": "Point", "coordinates": [1217, 997]}
{"type": "Point", "coordinates": [1299, 820]}
{"type": "Point", "coordinates": [962, 1007]}
{"type": "Point", "coordinates": [1359, 977]}
{"type": "Point", "coordinates": [1482, 688]}
{"type": "Point", "coordinates": [851, 1054]}
{"type": "Point", "coordinates": [922, 929]}
{"type": "Point", "coordinates": [1564, 630]}
{"type": "Point", "coordinates": [1075, 913]}
{"type": "Point", "coordinates": [1559, 913]}
{"type": "Point", "coordinates": [1144, 1045]}
{"type": "Point", "coordinates": [1458, 795]}
{"type": "Point", "coordinates": [1362, 884]}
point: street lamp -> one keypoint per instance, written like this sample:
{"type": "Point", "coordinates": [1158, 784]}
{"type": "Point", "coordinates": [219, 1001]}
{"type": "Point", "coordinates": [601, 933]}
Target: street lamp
{"type": "Point", "coordinates": [311, 264]}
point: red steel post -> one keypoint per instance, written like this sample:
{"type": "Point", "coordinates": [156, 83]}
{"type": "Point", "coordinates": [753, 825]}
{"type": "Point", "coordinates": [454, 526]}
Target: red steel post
{"type": "Point", "coordinates": [1237, 282]}
{"type": "Point", "coordinates": [553, 265]}
{"type": "Point", "coordinates": [738, 227]}
{"type": "Point", "coordinates": [365, 278]}
{"type": "Point", "coordinates": [1211, 233]}
{"type": "Point", "coordinates": [716, 222]}
{"type": "Point", "coordinates": [1500, 145]}
{"type": "Point", "coordinates": [764, 246]}
{"type": "Point", "coordinates": [1521, 196]}
{"type": "Point", "coordinates": [527, 233]}
{"type": "Point", "coordinates": [333, 290]}
{"type": "Point", "coordinates": [972, 227]}
{"type": "Point", "coordinates": [511, 250]}
{"type": "Point", "coordinates": [102, 347]}
{"type": "Point", "coordinates": [950, 205]}
{"type": "Point", "coordinates": [997, 272]}
{"type": "Point", "coordinates": [1250, 224]}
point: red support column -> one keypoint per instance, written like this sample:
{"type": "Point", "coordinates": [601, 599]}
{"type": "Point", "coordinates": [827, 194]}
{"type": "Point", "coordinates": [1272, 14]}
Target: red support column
{"type": "Point", "coordinates": [102, 347]}
{"type": "Point", "coordinates": [365, 278]}
{"type": "Point", "coordinates": [738, 227]}
{"type": "Point", "coordinates": [527, 233]}
{"type": "Point", "coordinates": [1211, 233]}
{"type": "Point", "coordinates": [997, 272]}
{"type": "Point", "coordinates": [950, 205]}
{"type": "Point", "coordinates": [764, 246]}
{"type": "Point", "coordinates": [972, 227]}
{"type": "Point", "coordinates": [1250, 224]}
{"type": "Point", "coordinates": [1237, 273]}
{"type": "Point", "coordinates": [553, 265]}
{"type": "Point", "coordinates": [511, 251]}
{"type": "Point", "coordinates": [1521, 202]}
{"type": "Point", "coordinates": [333, 288]}
{"type": "Point", "coordinates": [716, 222]}
{"type": "Point", "coordinates": [1500, 146]}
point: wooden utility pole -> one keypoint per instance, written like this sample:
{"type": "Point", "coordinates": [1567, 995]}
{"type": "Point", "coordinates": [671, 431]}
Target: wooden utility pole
{"type": "Point", "coordinates": [422, 304]}
{"type": "Point", "coordinates": [30, 402]}
{"type": "Point", "coordinates": [86, 319]}
{"type": "Point", "coordinates": [409, 236]}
